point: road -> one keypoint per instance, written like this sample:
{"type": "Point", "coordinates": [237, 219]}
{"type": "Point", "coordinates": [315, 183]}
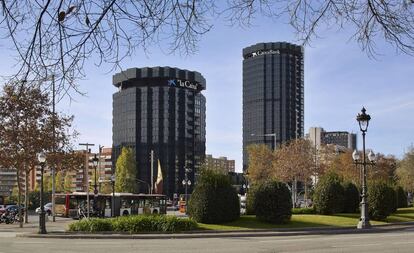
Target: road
{"type": "Point", "coordinates": [401, 241]}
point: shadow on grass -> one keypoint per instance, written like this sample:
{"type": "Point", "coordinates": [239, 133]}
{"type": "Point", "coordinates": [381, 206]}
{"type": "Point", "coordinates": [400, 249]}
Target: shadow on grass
{"type": "Point", "coordinates": [297, 221]}
{"type": "Point", "coordinates": [309, 220]}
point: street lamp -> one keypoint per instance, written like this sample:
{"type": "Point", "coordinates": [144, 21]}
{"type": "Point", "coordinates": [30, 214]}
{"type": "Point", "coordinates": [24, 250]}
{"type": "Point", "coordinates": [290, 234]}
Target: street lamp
{"type": "Point", "coordinates": [267, 135]}
{"type": "Point", "coordinates": [95, 164]}
{"type": "Point", "coordinates": [41, 157]}
{"type": "Point", "coordinates": [186, 183]}
{"type": "Point", "coordinates": [113, 179]}
{"type": "Point", "coordinates": [363, 121]}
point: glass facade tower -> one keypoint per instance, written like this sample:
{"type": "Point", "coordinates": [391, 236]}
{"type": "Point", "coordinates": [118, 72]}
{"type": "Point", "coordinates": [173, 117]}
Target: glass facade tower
{"type": "Point", "coordinates": [161, 109]}
{"type": "Point", "coordinates": [273, 94]}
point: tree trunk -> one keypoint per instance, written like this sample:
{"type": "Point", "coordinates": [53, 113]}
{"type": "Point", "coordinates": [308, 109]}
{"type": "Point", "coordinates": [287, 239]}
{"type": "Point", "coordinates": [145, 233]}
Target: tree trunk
{"type": "Point", "coordinates": [19, 199]}
{"type": "Point", "coordinates": [305, 196]}
{"type": "Point", "coordinates": [26, 196]}
{"type": "Point", "coordinates": [294, 191]}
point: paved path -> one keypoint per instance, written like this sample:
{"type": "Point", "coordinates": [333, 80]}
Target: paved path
{"type": "Point", "coordinates": [396, 241]}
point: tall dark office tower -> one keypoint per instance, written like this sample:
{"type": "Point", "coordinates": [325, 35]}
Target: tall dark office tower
{"type": "Point", "coordinates": [272, 94]}
{"type": "Point", "coordinates": [161, 109]}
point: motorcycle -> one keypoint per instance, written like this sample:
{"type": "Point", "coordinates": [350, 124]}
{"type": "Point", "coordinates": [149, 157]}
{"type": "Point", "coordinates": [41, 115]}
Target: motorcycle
{"type": "Point", "coordinates": [8, 217]}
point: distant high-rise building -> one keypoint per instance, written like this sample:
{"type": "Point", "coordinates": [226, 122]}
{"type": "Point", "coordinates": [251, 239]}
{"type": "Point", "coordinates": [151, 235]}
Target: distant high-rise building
{"type": "Point", "coordinates": [273, 94]}
{"type": "Point", "coordinates": [220, 164]}
{"type": "Point", "coordinates": [161, 109]}
{"type": "Point", "coordinates": [318, 136]}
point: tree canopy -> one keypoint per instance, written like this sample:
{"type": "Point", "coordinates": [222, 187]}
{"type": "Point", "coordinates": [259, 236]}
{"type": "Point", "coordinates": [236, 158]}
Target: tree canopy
{"type": "Point", "coordinates": [405, 171]}
{"type": "Point", "coordinates": [60, 36]}
{"type": "Point", "coordinates": [126, 171]}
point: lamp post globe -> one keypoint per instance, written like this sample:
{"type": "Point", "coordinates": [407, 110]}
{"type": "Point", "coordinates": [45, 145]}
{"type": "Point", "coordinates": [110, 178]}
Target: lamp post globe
{"type": "Point", "coordinates": [41, 157]}
{"type": "Point", "coordinates": [355, 155]}
{"type": "Point", "coordinates": [371, 156]}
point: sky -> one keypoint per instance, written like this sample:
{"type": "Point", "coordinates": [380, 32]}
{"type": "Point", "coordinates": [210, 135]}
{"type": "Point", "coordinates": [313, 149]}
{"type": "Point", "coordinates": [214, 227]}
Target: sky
{"type": "Point", "coordinates": [339, 79]}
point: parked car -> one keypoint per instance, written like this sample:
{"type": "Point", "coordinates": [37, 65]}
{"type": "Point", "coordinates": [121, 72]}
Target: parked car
{"type": "Point", "coordinates": [47, 208]}
{"type": "Point", "coordinates": [14, 208]}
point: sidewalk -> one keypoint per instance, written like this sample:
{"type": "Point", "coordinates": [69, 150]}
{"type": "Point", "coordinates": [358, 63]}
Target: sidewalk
{"type": "Point", "coordinates": [56, 231]}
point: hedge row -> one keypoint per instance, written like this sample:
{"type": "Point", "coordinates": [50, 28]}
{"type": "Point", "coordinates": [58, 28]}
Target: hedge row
{"type": "Point", "coordinates": [135, 224]}
{"type": "Point", "coordinates": [332, 196]}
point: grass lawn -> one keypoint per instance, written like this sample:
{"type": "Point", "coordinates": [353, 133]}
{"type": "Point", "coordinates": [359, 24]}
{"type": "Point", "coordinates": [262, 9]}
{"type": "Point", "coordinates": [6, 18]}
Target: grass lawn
{"type": "Point", "coordinates": [309, 220]}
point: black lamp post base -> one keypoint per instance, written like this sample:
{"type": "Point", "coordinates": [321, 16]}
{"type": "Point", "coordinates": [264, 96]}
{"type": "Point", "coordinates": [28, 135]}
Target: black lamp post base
{"type": "Point", "coordinates": [42, 225]}
{"type": "Point", "coordinates": [364, 224]}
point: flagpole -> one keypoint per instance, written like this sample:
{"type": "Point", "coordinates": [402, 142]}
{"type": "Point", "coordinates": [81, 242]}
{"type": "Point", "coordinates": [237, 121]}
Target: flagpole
{"type": "Point", "coordinates": [152, 171]}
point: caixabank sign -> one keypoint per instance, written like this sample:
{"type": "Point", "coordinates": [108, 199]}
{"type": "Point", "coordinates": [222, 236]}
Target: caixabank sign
{"type": "Point", "coordinates": [182, 83]}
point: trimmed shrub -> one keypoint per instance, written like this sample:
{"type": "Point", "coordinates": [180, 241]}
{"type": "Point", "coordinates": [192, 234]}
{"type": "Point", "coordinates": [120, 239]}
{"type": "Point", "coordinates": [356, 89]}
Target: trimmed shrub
{"type": "Point", "coordinates": [273, 202]}
{"type": "Point", "coordinates": [329, 195]}
{"type": "Point", "coordinates": [304, 210]}
{"type": "Point", "coordinates": [214, 200]}
{"type": "Point", "coordinates": [91, 225]}
{"type": "Point", "coordinates": [135, 224]}
{"type": "Point", "coordinates": [381, 200]}
{"type": "Point", "coordinates": [401, 197]}
{"type": "Point", "coordinates": [351, 198]}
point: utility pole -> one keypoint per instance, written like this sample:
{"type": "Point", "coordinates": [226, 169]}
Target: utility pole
{"type": "Point", "coordinates": [99, 165]}
{"type": "Point", "coordinates": [87, 174]}
{"type": "Point", "coordinates": [53, 149]}
{"type": "Point", "coordinates": [152, 171]}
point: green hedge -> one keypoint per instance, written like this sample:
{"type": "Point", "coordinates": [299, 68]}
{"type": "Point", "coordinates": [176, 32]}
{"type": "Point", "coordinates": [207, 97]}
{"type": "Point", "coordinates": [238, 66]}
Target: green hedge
{"type": "Point", "coordinates": [401, 197]}
{"type": "Point", "coordinates": [329, 195]}
{"type": "Point", "coordinates": [214, 200]}
{"type": "Point", "coordinates": [135, 224]}
{"type": "Point", "coordinates": [351, 198]}
{"type": "Point", "coordinates": [273, 202]}
{"type": "Point", "coordinates": [381, 200]}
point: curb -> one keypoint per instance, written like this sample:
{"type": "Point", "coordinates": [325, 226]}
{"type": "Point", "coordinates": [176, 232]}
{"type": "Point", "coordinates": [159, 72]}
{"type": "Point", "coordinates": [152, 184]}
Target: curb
{"type": "Point", "coordinates": [226, 234]}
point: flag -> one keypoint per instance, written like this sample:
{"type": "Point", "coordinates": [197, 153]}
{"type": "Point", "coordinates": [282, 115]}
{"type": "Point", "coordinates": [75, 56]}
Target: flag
{"type": "Point", "coordinates": [158, 184]}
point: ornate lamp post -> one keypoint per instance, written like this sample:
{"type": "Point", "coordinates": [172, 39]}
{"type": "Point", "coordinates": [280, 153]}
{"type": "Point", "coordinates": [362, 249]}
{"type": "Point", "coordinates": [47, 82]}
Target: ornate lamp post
{"type": "Point", "coordinates": [95, 185]}
{"type": "Point", "coordinates": [41, 157]}
{"type": "Point", "coordinates": [363, 121]}
{"type": "Point", "coordinates": [186, 182]}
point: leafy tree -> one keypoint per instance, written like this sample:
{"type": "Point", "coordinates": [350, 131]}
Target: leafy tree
{"type": "Point", "coordinates": [60, 36]}
{"type": "Point", "coordinates": [126, 171]}
{"type": "Point", "coordinates": [214, 200]}
{"type": "Point", "coordinates": [295, 162]}
{"type": "Point", "coordinates": [329, 195]}
{"type": "Point", "coordinates": [67, 185]}
{"type": "Point", "coordinates": [343, 165]}
{"type": "Point", "coordinates": [59, 183]}
{"type": "Point", "coordinates": [260, 163]}
{"type": "Point", "coordinates": [384, 169]}
{"type": "Point", "coordinates": [106, 188]}
{"type": "Point", "coordinates": [26, 124]}
{"type": "Point", "coordinates": [405, 171]}
{"type": "Point", "coordinates": [47, 183]}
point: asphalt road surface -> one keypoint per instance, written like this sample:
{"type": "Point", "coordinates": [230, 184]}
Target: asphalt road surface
{"type": "Point", "coordinates": [401, 241]}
